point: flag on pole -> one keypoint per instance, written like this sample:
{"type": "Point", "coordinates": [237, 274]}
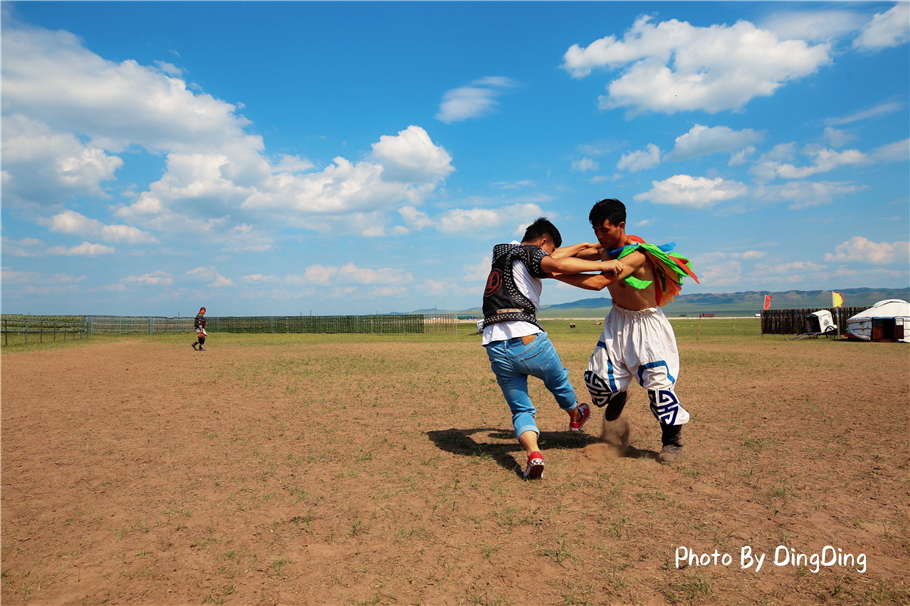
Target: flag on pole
{"type": "Point", "coordinates": [767, 302]}
{"type": "Point", "coordinates": [838, 298]}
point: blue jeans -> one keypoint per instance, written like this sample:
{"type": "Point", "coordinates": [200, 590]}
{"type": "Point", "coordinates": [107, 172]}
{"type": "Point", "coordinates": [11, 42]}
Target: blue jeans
{"type": "Point", "coordinates": [513, 362]}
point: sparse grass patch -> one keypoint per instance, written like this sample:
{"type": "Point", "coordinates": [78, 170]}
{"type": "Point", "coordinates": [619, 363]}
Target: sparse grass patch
{"type": "Point", "coordinates": [275, 463]}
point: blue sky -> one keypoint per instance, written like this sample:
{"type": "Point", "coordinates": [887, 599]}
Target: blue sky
{"type": "Point", "coordinates": [348, 158]}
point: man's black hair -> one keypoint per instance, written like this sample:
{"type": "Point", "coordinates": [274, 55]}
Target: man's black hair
{"type": "Point", "coordinates": [540, 228]}
{"type": "Point", "coordinates": [611, 210]}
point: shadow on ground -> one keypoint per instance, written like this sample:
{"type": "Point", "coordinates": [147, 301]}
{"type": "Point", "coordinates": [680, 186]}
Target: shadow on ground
{"type": "Point", "coordinates": [461, 442]}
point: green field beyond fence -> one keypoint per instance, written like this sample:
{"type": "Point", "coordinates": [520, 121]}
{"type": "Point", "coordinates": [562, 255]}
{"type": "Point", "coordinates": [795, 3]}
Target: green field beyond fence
{"type": "Point", "coordinates": [374, 324]}
{"type": "Point", "coordinates": [20, 327]}
{"type": "Point", "coordinates": [24, 330]}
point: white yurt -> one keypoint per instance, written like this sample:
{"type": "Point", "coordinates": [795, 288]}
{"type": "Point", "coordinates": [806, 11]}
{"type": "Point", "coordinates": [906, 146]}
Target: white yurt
{"type": "Point", "coordinates": [887, 320]}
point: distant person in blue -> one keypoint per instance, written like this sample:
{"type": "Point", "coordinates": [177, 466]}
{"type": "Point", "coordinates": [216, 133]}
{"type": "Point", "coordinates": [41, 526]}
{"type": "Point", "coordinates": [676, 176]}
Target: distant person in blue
{"type": "Point", "coordinates": [516, 344]}
{"type": "Point", "coordinates": [199, 325]}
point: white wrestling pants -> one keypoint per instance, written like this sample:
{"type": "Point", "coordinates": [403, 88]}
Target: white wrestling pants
{"type": "Point", "coordinates": [638, 344]}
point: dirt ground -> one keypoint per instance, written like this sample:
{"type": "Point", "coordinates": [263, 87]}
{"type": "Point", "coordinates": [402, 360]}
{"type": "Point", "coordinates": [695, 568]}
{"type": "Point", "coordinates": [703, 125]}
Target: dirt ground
{"type": "Point", "coordinates": [386, 472]}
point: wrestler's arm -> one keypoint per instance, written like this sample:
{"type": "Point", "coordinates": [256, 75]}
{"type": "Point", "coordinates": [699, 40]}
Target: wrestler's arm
{"type": "Point", "coordinates": [583, 250]}
{"type": "Point", "coordinates": [629, 265]}
{"type": "Point", "coordinates": [632, 263]}
{"type": "Point", "coordinates": [586, 281]}
{"type": "Point", "coordinates": [572, 265]}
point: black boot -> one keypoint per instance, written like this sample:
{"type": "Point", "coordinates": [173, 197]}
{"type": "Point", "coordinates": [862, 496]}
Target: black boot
{"type": "Point", "coordinates": [615, 406]}
{"type": "Point", "coordinates": [194, 345]}
{"type": "Point", "coordinates": [616, 431]}
{"type": "Point", "coordinates": [672, 450]}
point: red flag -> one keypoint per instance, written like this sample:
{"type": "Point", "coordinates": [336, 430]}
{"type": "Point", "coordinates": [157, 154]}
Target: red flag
{"type": "Point", "coordinates": [767, 302]}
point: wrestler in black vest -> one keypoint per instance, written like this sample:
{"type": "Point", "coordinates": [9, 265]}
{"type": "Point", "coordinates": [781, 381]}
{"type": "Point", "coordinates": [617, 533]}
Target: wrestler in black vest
{"type": "Point", "coordinates": [502, 301]}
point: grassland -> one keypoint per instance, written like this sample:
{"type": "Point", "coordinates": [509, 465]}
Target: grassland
{"type": "Point", "coordinates": [365, 469]}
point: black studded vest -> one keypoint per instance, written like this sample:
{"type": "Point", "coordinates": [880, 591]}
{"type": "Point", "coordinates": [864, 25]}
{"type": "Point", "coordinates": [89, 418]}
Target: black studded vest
{"type": "Point", "coordinates": [502, 301]}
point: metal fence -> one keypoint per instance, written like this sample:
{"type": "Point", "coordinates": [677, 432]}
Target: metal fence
{"type": "Point", "coordinates": [41, 329]}
{"type": "Point", "coordinates": [371, 324]}
{"type": "Point", "coordinates": [37, 329]}
{"type": "Point", "coordinates": [796, 321]}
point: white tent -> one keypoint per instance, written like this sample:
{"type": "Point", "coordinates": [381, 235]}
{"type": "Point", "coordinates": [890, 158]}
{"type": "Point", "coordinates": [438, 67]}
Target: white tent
{"type": "Point", "coordinates": [887, 320]}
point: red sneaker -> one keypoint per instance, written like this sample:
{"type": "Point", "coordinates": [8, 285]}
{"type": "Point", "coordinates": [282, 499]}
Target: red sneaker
{"type": "Point", "coordinates": [535, 466]}
{"type": "Point", "coordinates": [585, 411]}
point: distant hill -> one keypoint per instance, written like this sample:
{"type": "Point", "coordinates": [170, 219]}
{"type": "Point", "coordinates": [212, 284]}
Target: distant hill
{"type": "Point", "coordinates": [734, 304]}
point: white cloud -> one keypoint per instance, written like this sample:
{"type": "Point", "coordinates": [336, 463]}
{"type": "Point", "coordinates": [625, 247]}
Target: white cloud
{"type": "Point", "coordinates": [406, 167]}
{"type": "Point", "coordinates": [388, 291]}
{"type": "Point", "coordinates": [19, 277]}
{"type": "Point", "coordinates": [742, 156]}
{"type": "Point", "coordinates": [470, 219]}
{"type": "Point", "coordinates": [793, 272]}
{"type": "Point", "coordinates": [415, 219]}
{"type": "Point", "coordinates": [116, 287]}
{"type": "Point", "coordinates": [44, 167]}
{"type": "Point", "coordinates": [861, 250]}
{"type": "Point", "coordinates": [411, 157]}
{"type": "Point", "coordinates": [879, 111]}
{"type": "Point", "coordinates": [157, 278]}
{"type": "Point", "coordinates": [26, 247]}
{"type": "Point", "coordinates": [169, 68]}
{"type": "Point", "coordinates": [466, 102]}
{"type": "Point", "coordinates": [472, 101]}
{"type": "Point", "coordinates": [292, 164]}
{"type": "Point", "coordinates": [51, 77]}
{"type": "Point", "coordinates": [259, 278]}
{"type": "Point", "coordinates": [321, 275]}
{"type": "Point", "coordinates": [315, 274]}
{"type": "Point", "coordinates": [702, 141]}
{"type": "Point", "coordinates": [515, 184]}
{"type": "Point", "coordinates": [640, 160]}
{"type": "Point", "coordinates": [445, 289]}
{"type": "Point", "coordinates": [824, 160]}
{"type": "Point", "coordinates": [210, 275]}
{"type": "Point", "coordinates": [604, 178]}
{"type": "Point", "coordinates": [460, 220]}
{"type": "Point", "coordinates": [221, 281]}
{"type": "Point", "coordinates": [899, 151]}
{"type": "Point", "coordinates": [67, 109]}
{"type": "Point", "coordinates": [693, 192]}
{"type": "Point", "coordinates": [246, 238]}
{"type": "Point", "coordinates": [673, 66]}
{"type": "Point", "coordinates": [600, 147]}
{"type": "Point", "coordinates": [71, 222]}
{"type": "Point", "coordinates": [838, 138]}
{"type": "Point", "coordinates": [51, 291]}
{"type": "Point", "coordinates": [360, 275]}
{"type": "Point", "coordinates": [722, 272]}
{"type": "Point", "coordinates": [886, 29]}
{"type": "Point", "coordinates": [343, 292]}
{"type": "Point", "coordinates": [584, 165]}
{"type": "Point", "coordinates": [86, 249]}
{"type": "Point", "coordinates": [813, 26]}
{"type": "Point", "coordinates": [752, 254]}
{"type": "Point", "coordinates": [479, 272]}
{"type": "Point", "coordinates": [805, 194]}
